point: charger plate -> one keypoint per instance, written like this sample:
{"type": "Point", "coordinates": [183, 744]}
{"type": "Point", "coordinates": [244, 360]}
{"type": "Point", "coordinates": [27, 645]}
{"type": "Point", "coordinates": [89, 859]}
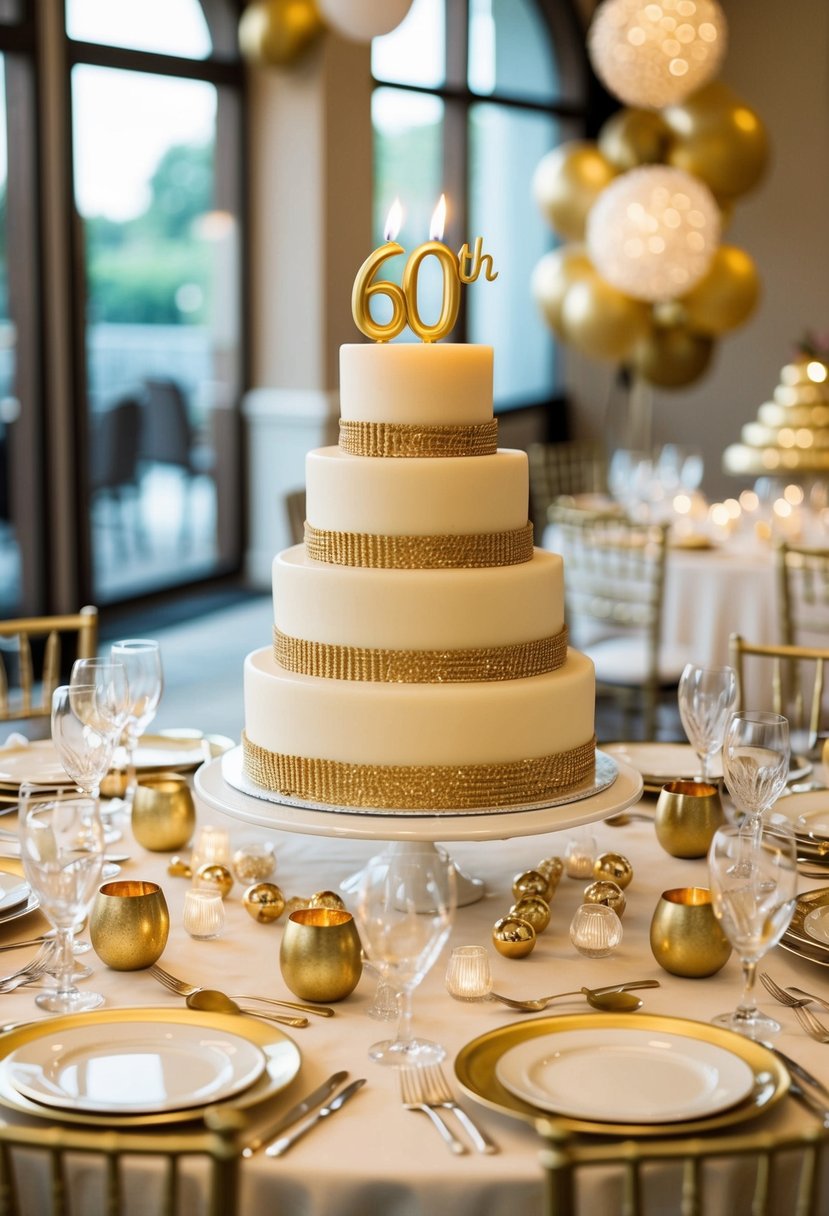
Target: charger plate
{"type": "Point", "coordinates": [476, 1070]}
{"type": "Point", "coordinates": [282, 1061]}
{"type": "Point", "coordinates": [797, 939]}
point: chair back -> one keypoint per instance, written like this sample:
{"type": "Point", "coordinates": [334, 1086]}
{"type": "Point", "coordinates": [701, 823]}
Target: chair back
{"type": "Point", "coordinates": [33, 697]}
{"type": "Point", "coordinates": [114, 446]}
{"type": "Point", "coordinates": [563, 469]}
{"type": "Point", "coordinates": [778, 1172]}
{"type": "Point", "coordinates": [295, 510]}
{"type": "Point", "coordinates": [796, 681]}
{"type": "Point", "coordinates": [803, 586]}
{"type": "Point", "coordinates": [166, 434]}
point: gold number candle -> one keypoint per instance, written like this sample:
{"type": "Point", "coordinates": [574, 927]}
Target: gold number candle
{"type": "Point", "coordinates": [365, 286]}
{"type": "Point", "coordinates": [450, 303]}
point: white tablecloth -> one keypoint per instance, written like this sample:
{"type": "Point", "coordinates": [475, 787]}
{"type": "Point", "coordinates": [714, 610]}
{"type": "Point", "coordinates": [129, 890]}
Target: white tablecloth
{"type": "Point", "coordinates": [375, 1157]}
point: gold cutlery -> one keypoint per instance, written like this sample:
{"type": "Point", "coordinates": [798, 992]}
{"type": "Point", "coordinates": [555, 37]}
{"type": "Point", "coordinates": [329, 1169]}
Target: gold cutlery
{"type": "Point", "coordinates": [210, 1000]}
{"type": "Point", "coordinates": [592, 994]}
{"type": "Point", "coordinates": [296, 1112]}
{"type": "Point", "coordinates": [412, 1097]}
{"type": "Point", "coordinates": [182, 988]}
{"type": "Point", "coordinates": [32, 941]}
{"type": "Point", "coordinates": [278, 1147]}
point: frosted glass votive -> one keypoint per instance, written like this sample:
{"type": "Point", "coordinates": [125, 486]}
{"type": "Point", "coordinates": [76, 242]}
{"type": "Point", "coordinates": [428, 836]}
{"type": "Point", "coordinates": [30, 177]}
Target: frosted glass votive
{"type": "Point", "coordinates": [211, 847]}
{"type": "Point", "coordinates": [204, 913]}
{"type": "Point", "coordinates": [580, 855]}
{"type": "Point", "coordinates": [595, 930]}
{"type": "Point", "coordinates": [468, 975]}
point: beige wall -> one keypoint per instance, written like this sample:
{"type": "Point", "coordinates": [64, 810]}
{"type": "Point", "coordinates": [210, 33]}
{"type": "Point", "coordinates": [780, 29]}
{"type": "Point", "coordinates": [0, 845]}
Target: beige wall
{"type": "Point", "coordinates": [778, 62]}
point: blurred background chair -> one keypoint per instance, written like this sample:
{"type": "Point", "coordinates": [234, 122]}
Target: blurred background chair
{"type": "Point", "coordinates": [295, 510]}
{"type": "Point", "coordinates": [21, 640]}
{"type": "Point", "coordinates": [558, 469]}
{"type": "Point", "coordinates": [803, 585]}
{"type": "Point", "coordinates": [614, 594]}
{"type": "Point", "coordinates": [113, 459]}
{"type": "Point", "coordinates": [794, 677]}
{"type": "Point", "coordinates": [169, 438]}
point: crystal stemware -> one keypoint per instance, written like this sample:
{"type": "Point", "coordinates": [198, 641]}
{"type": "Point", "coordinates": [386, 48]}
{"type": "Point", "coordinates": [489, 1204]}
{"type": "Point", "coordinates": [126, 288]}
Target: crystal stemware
{"type": "Point", "coordinates": [404, 912]}
{"type": "Point", "coordinates": [706, 697]}
{"type": "Point", "coordinates": [753, 880]}
{"type": "Point", "coordinates": [61, 848]}
{"type": "Point", "coordinates": [756, 761]}
{"type": "Point", "coordinates": [83, 735]}
{"type": "Point", "coordinates": [141, 659]}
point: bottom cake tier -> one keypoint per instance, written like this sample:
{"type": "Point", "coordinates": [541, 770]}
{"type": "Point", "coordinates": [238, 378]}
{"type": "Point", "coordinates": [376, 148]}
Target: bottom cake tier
{"type": "Point", "coordinates": [438, 746]}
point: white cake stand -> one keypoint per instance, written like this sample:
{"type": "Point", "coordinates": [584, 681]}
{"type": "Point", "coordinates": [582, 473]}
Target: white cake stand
{"type": "Point", "coordinates": [218, 783]}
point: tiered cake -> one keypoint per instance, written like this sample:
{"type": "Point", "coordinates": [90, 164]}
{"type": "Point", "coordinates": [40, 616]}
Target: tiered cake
{"type": "Point", "coordinates": [791, 434]}
{"type": "Point", "coordinates": [420, 657]}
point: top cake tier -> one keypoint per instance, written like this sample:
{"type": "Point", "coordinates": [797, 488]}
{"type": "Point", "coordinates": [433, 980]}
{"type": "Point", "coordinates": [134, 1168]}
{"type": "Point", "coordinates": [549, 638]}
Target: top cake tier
{"type": "Point", "coordinates": [422, 383]}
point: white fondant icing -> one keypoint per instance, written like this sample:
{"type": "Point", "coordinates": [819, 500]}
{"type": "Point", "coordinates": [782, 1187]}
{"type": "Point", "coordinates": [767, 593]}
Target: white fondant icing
{"type": "Point", "coordinates": [425, 382]}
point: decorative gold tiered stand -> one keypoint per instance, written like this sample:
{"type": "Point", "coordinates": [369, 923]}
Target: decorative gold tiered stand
{"type": "Point", "coordinates": [791, 434]}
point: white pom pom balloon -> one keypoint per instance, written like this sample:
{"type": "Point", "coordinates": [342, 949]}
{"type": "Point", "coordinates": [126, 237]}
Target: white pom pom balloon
{"type": "Point", "coordinates": [362, 20]}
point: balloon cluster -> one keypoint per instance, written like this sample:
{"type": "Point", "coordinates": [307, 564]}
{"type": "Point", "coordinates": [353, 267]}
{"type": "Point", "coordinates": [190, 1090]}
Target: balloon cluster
{"type": "Point", "coordinates": [643, 279]}
{"type": "Point", "coordinates": [277, 32]}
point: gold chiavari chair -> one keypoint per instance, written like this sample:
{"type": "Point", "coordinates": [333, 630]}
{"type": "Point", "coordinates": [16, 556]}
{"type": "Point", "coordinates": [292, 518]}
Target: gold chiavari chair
{"type": "Point", "coordinates": [47, 1169]}
{"type": "Point", "coordinates": [295, 508]}
{"type": "Point", "coordinates": [803, 592]}
{"type": "Point", "coordinates": [779, 1172]}
{"type": "Point", "coordinates": [790, 672]}
{"type": "Point", "coordinates": [34, 693]}
{"type": "Point", "coordinates": [563, 469]}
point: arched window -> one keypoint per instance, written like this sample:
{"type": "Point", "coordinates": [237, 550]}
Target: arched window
{"type": "Point", "coordinates": [469, 95]}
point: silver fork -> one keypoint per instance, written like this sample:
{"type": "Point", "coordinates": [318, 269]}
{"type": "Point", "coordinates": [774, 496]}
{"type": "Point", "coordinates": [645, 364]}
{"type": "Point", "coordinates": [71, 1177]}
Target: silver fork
{"type": "Point", "coordinates": [780, 994]}
{"type": "Point", "coordinates": [436, 1092]}
{"type": "Point", "coordinates": [182, 988]}
{"type": "Point", "coordinates": [33, 969]}
{"type": "Point", "coordinates": [411, 1094]}
{"type": "Point", "coordinates": [811, 1024]}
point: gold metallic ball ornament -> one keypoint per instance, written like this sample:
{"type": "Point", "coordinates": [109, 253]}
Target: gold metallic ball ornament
{"type": "Point", "coordinates": [553, 276]}
{"type": "Point", "coordinates": [552, 868]}
{"type": "Point", "coordinates": [566, 184]}
{"type": "Point", "coordinates": [529, 882]}
{"type": "Point", "coordinates": [276, 32]}
{"type": "Point", "coordinates": [513, 937]}
{"type": "Point", "coordinates": [633, 137]}
{"type": "Point", "coordinates": [614, 868]}
{"type": "Point", "coordinates": [603, 891]}
{"type": "Point", "coordinates": [326, 899]}
{"type": "Point", "coordinates": [216, 876]}
{"type": "Point", "coordinates": [533, 909]}
{"type": "Point", "coordinates": [719, 139]}
{"type": "Point", "coordinates": [602, 322]}
{"type": "Point", "coordinates": [264, 901]}
{"type": "Point", "coordinates": [672, 356]}
{"type": "Point", "coordinates": [727, 296]}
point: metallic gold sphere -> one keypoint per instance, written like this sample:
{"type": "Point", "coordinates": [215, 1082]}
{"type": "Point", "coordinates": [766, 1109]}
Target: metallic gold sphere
{"type": "Point", "coordinates": [552, 868]}
{"type": "Point", "coordinates": [553, 276]}
{"type": "Point", "coordinates": [278, 31]}
{"type": "Point", "coordinates": [326, 899]}
{"type": "Point", "coordinates": [530, 882]}
{"type": "Point", "coordinates": [295, 904]}
{"type": "Point", "coordinates": [603, 891]}
{"type": "Point", "coordinates": [613, 867]}
{"type": "Point", "coordinates": [513, 937]}
{"type": "Point", "coordinates": [566, 184]}
{"type": "Point", "coordinates": [264, 902]}
{"type": "Point", "coordinates": [216, 876]}
{"type": "Point", "coordinates": [177, 867]}
{"type": "Point", "coordinates": [534, 909]}
{"type": "Point", "coordinates": [672, 356]}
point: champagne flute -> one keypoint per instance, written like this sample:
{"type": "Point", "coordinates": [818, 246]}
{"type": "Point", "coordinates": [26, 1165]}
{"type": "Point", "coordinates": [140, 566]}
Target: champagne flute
{"type": "Point", "coordinates": [141, 659]}
{"type": "Point", "coordinates": [753, 880]}
{"type": "Point", "coordinates": [61, 848]}
{"type": "Point", "coordinates": [706, 697]}
{"type": "Point", "coordinates": [756, 762]}
{"type": "Point", "coordinates": [404, 911]}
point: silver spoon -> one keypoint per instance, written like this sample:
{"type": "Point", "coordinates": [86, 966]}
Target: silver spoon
{"type": "Point", "coordinates": [210, 1000]}
{"type": "Point", "coordinates": [615, 1000]}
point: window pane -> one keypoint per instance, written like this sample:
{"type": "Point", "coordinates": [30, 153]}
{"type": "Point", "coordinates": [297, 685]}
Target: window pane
{"type": "Point", "coordinates": [171, 27]}
{"type": "Point", "coordinates": [162, 326]}
{"type": "Point", "coordinates": [415, 52]}
{"type": "Point", "coordinates": [505, 147]}
{"type": "Point", "coordinates": [510, 50]}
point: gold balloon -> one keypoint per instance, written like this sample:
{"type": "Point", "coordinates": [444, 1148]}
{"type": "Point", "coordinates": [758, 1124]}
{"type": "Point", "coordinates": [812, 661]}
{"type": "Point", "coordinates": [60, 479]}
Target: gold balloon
{"type": "Point", "coordinates": [718, 138]}
{"type": "Point", "coordinates": [671, 356]}
{"type": "Point", "coordinates": [728, 294]}
{"type": "Point", "coordinates": [552, 278]}
{"type": "Point", "coordinates": [567, 182]}
{"type": "Point", "coordinates": [634, 137]}
{"type": "Point", "coordinates": [278, 31]}
{"type": "Point", "coordinates": [602, 322]}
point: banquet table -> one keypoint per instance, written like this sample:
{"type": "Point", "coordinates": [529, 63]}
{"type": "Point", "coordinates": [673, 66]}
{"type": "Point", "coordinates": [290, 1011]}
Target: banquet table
{"type": "Point", "coordinates": [374, 1156]}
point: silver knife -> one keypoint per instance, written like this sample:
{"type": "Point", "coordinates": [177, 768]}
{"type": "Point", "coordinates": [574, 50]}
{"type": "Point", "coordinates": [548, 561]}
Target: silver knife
{"type": "Point", "coordinates": [296, 1112]}
{"type": "Point", "coordinates": [278, 1147]}
{"type": "Point", "coordinates": [810, 1102]}
{"type": "Point", "coordinates": [803, 1074]}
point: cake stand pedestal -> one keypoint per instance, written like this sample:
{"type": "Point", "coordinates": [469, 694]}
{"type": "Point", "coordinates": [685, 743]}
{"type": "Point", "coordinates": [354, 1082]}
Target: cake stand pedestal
{"type": "Point", "coordinates": [222, 785]}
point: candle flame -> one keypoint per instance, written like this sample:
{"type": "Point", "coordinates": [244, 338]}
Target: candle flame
{"type": "Point", "coordinates": [394, 221]}
{"type": "Point", "coordinates": [438, 220]}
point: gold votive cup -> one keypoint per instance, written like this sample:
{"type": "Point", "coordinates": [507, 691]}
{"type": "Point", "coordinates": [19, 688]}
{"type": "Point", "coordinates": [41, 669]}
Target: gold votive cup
{"type": "Point", "coordinates": [163, 813]}
{"type": "Point", "coordinates": [686, 937]}
{"type": "Point", "coordinates": [321, 955]}
{"type": "Point", "coordinates": [688, 814]}
{"type": "Point", "coordinates": [129, 924]}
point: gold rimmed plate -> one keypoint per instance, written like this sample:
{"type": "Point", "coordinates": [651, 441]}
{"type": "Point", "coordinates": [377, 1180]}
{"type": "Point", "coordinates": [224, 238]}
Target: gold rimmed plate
{"type": "Point", "coordinates": [282, 1061]}
{"type": "Point", "coordinates": [179, 751]}
{"type": "Point", "coordinates": [797, 939]}
{"type": "Point", "coordinates": [660, 762]}
{"type": "Point", "coordinates": [476, 1068]}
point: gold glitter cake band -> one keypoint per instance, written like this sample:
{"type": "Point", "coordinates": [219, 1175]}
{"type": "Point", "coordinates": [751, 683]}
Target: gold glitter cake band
{"type": "Point", "coordinates": [432, 787]}
{"type": "Point", "coordinates": [420, 552]}
{"type": "Point", "coordinates": [335, 662]}
{"type": "Point", "coordinates": [414, 439]}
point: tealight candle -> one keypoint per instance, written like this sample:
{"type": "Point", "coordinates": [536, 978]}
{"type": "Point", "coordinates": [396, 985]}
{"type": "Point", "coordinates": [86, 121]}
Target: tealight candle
{"type": "Point", "coordinates": [580, 855]}
{"type": "Point", "coordinates": [468, 975]}
{"type": "Point", "coordinates": [204, 913]}
{"type": "Point", "coordinates": [211, 847]}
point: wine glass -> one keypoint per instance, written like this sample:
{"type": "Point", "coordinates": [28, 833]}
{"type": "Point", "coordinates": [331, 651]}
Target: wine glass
{"type": "Point", "coordinates": [706, 697]}
{"type": "Point", "coordinates": [404, 911]}
{"type": "Point", "coordinates": [756, 761]}
{"type": "Point", "coordinates": [111, 706]}
{"type": "Point", "coordinates": [753, 879]}
{"type": "Point", "coordinates": [141, 659]}
{"type": "Point", "coordinates": [61, 848]}
{"type": "Point", "coordinates": [83, 735]}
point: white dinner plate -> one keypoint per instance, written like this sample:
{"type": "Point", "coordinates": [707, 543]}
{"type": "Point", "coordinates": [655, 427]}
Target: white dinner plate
{"type": "Point", "coordinates": [14, 892]}
{"type": "Point", "coordinates": [807, 812]}
{"type": "Point", "coordinates": [650, 1077]}
{"type": "Point", "coordinates": [134, 1067]}
{"type": "Point", "coordinates": [35, 761]}
{"type": "Point", "coordinates": [661, 762]}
